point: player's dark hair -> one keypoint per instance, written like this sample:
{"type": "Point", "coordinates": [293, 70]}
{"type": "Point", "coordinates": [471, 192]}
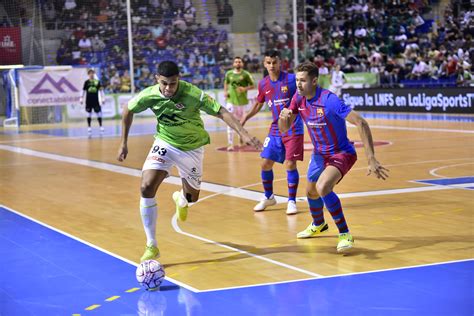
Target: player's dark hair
{"type": "Point", "coordinates": [168, 69]}
{"type": "Point", "coordinates": [90, 71]}
{"type": "Point", "coordinates": [309, 67]}
{"type": "Point", "coordinates": [273, 53]}
{"type": "Point", "coordinates": [238, 57]}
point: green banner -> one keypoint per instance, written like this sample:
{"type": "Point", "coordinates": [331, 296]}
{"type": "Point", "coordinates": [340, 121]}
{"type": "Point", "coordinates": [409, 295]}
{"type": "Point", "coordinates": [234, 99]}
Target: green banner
{"type": "Point", "coordinates": [356, 78]}
{"type": "Point", "coordinates": [366, 78]}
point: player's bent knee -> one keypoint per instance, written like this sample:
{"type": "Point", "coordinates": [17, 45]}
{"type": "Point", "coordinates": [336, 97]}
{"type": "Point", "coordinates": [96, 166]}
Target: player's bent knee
{"type": "Point", "coordinates": [323, 188]}
{"type": "Point", "coordinates": [290, 164]}
{"type": "Point", "coordinates": [147, 190]}
{"type": "Point", "coordinates": [267, 164]}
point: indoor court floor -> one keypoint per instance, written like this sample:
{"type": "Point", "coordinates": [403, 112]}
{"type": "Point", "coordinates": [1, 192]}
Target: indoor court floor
{"type": "Point", "coordinates": [71, 234]}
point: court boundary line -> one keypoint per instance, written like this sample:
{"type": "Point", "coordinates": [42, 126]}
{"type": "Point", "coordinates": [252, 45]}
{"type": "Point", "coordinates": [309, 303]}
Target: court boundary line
{"type": "Point", "coordinates": [344, 275]}
{"type": "Point", "coordinates": [186, 286]}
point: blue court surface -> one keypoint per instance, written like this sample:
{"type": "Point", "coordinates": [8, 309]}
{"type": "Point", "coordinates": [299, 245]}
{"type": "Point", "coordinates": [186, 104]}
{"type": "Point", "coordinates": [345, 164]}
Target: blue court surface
{"type": "Point", "coordinates": [45, 272]}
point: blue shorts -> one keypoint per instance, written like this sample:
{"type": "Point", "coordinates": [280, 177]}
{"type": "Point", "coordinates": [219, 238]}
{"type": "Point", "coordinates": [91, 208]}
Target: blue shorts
{"type": "Point", "coordinates": [279, 149]}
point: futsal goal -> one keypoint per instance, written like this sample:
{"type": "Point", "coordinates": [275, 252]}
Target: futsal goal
{"type": "Point", "coordinates": [39, 95]}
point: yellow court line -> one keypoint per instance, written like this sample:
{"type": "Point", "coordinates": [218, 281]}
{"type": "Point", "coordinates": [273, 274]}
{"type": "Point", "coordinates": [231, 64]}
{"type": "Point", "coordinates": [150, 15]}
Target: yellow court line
{"type": "Point", "coordinates": [133, 289]}
{"type": "Point", "coordinates": [76, 314]}
{"type": "Point", "coordinates": [92, 307]}
{"type": "Point", "coordinates": [112, 298]}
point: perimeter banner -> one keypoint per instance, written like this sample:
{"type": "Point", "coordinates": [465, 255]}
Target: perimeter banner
{"type": "Point", "coordinates": [51, 87]}
{"type": "Point", "coordinates": [442, 100]}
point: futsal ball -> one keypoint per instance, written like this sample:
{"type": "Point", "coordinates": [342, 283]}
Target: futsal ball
{"type": "Point", "coordinates": [150, 274]}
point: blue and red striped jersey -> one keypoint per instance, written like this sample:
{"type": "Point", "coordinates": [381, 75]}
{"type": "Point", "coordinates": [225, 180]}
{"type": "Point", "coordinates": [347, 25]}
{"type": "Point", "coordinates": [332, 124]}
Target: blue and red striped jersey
{"type": "Point", "coordinates": [278, 95]}
{"type": "Point", "coordinates": [324, 116]}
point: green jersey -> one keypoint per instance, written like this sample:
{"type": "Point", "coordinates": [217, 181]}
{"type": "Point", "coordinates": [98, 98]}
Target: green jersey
{"type": "Point", "coordinates": [234, 80]}
{"type": "Point", "coordinates": [179, 118]}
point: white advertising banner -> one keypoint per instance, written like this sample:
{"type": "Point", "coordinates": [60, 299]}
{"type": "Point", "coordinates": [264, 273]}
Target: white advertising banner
{"type": "Point", "coordinates": [51, 87]}
{"type": "Point", "coordinates": [79, 110]}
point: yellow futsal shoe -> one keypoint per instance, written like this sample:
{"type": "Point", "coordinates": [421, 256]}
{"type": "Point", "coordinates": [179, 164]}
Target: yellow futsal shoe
{"type": "Point", "coordinates": [346, 242]}
{"type": "Point", "coordinates": [181, 211]}
{"type": "Point", "coordinates": [151, 252]}
{"type": "Point", "coordinates": [312, 231]}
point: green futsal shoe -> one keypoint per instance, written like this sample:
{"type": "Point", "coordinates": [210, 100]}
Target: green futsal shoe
{"type": "Point", "coordinates": [181, 211]}
{"type": "Point", "coordinates": [151, 252]}
{"type": "Point", "coordinates": [312, 231]}
{"type": "Point", "coordinates": [346, 242]}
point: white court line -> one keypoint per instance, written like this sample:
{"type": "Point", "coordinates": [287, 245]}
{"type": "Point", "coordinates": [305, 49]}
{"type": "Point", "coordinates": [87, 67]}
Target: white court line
{"type": "Point", "coordinates": [402, 128]}
{"type": "Point", "coordinates": [206, 186]}
{"type": "Point", "coordinates": [174, 223]}
{"type": "Point", "coordinates": [341, 275]}
{"type": "Point", "coordinates": [419, 129]}
{"type": "Point", "coordinates": [433, 171]}
{"type": "Point", "coordinates": [188, 287]}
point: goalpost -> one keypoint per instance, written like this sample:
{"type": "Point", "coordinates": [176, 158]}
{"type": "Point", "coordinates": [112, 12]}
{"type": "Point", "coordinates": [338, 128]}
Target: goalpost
{"type": "Point", "coordinates": [38, 95]}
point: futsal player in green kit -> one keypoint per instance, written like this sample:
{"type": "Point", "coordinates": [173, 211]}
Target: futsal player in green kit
{"type": "Point", "coordinates": [179, 141]}
{"type": "Point", "coordinates": [236, 84]}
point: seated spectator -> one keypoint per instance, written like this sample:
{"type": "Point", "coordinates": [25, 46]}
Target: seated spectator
{"type": "Point", "coordinates": [420, 69]}
{"type": "Point", "coordinates": [85, 44]}
{"type": "Point", "coordinates": [97, 44]}
{"type": "Point", "coordinates": [70, 4]}
{"type": "Point", "coordinates": [125, 82]}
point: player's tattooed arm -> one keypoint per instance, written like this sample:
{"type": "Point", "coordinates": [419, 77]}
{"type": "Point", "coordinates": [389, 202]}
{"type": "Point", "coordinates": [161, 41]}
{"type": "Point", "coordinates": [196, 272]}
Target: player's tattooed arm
{"type": "Point", "coordinates": [230, 120]}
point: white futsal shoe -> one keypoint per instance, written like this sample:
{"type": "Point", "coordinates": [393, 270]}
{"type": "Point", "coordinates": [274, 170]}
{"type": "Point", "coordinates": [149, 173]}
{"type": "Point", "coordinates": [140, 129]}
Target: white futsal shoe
{"type": "Point", "coordinates": [291, 208]}
{"type": "Point", "coordinates": [264, 203]}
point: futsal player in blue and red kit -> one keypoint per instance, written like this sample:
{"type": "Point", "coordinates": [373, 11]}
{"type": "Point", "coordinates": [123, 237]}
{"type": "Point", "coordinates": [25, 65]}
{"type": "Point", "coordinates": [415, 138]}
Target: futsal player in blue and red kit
{"type": "Point", "coordinates": [325, 117]}
{"type": "Point", "coordinates": [276, 90]}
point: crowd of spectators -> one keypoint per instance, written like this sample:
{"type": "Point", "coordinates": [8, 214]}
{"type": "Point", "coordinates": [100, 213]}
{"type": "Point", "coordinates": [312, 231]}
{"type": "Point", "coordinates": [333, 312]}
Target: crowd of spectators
{"type": "Point", "coordinates": [161, 29]}
{"type": "Point", "coordinates": [390, 38]}
{"type": "Point", "coordinates": [395, 39]}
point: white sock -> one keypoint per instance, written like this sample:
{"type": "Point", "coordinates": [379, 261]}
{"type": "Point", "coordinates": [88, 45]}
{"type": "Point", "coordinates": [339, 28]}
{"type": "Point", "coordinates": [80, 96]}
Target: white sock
{"type": "Point", "coordinates": [183, 202]}
{"type": "Point", "coordinates": [149, 214]}
{"type": "Point", "coordinates": [230, 136]}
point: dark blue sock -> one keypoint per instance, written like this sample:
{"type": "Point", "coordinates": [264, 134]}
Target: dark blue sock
{"type": "Point", "coordinates": [267, 180]}
{"type": "Point", "coordinates": [316, 210]}
{"type": "Point", "coordinates": [333, 204]}
{"type": "Point", "coordinates": [293, 178]}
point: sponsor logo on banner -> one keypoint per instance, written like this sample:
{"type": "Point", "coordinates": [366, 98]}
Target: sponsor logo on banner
{"type": "Point", "coordinates": [51, 87]}
{"type": "Point", "coordinates": [58, 86]}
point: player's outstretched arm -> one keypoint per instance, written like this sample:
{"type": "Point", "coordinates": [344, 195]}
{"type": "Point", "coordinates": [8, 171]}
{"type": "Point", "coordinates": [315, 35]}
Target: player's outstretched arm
{"type": "Point", "coordinates": [285, 120]}
{"type": "Point", "coordinates": [230, 120]}
{"type": "Point", "coordinates": [366, 136]}
{"type": "Point", "coordinates": [127, 119]}
{"type": "Point", "coordinates": [257, 106]}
